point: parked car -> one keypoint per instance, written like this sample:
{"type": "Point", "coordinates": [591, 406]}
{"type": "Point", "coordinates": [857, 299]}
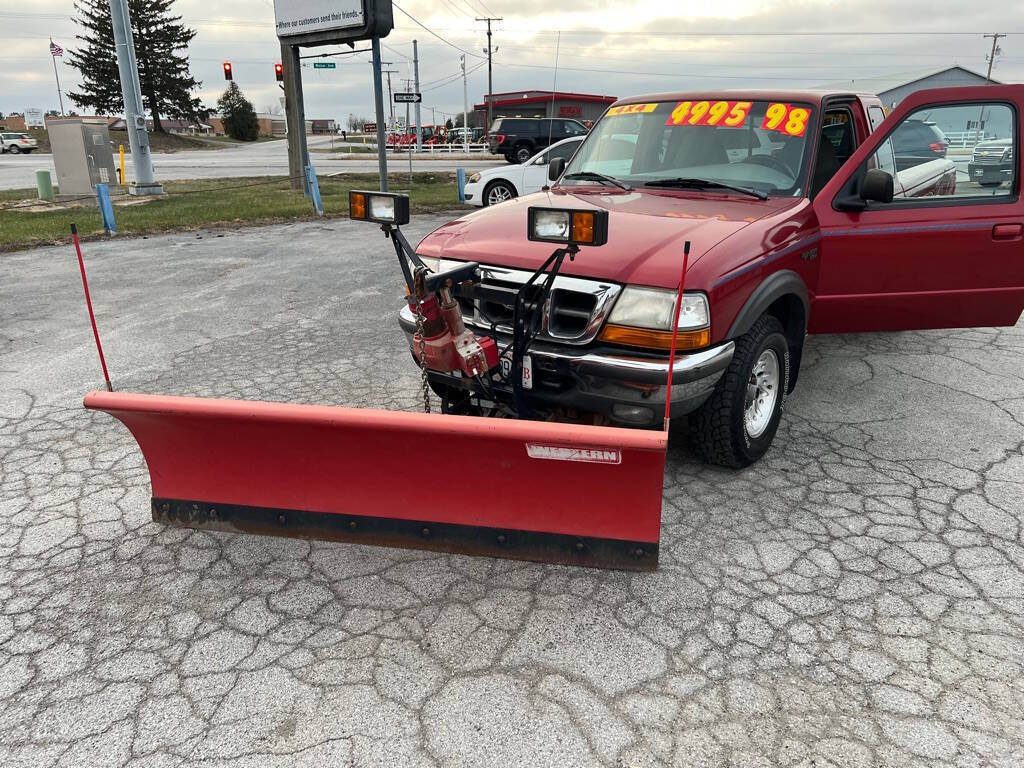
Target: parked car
{"type": "Point", "coordinates": [991, 163]}
{"type": "Point", "coordinates": [496, 185]}
{"type": "Point", "coordinates": [17, 142]}
{"type": "Point", "coordinates": [784, 238]}
{"type": "Point", "coordinates": [916, 142]}
{"type": "Point", "coordinates": [519, 138]}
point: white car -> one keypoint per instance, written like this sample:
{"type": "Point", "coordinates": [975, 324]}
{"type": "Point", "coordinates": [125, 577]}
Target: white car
{"type": "Point", "coordinates": [17, 142]}
{"type": "Point", "coordinates": [496, 185]}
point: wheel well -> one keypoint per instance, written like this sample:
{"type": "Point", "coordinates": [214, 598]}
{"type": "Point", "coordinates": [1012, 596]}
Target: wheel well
{"type": "Point", "coordinates": [790, 311]}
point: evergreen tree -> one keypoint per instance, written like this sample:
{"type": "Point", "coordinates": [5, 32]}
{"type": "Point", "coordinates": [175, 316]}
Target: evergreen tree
{"type": "Point", "coordinates": [238, 114]}
{"type": "Point", "coordinates": [160, 42]}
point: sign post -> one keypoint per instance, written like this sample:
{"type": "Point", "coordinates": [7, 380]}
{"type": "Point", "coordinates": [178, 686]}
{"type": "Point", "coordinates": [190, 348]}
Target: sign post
{"type": "Point", "coordinates": [312, 23]}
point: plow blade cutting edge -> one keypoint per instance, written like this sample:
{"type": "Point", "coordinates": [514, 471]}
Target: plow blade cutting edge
{"type": "Point", "coordinates": [551, 492]}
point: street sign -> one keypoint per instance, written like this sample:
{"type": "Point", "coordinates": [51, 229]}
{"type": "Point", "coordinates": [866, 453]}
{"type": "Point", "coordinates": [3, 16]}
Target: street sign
{"type": "Point", "coordinates": [369, 127]}
{"type": "Point", "coordinates": [408, 98]}
{"type": "Point", "coordinates": [324, 65]}
{"type": "Point", "coordinates": [34, 118]}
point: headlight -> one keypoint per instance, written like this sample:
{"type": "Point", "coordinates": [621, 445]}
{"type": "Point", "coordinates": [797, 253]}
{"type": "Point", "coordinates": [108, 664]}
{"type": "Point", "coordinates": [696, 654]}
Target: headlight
{"type": "Point", "coordinates": [433, 262]}
{"type": "Point", "coordinates": [642, 317]}
{"type": "Point", "coordinates": [379, 207]}
{"type": "Point", "coordinates": [473, 178]}
{"type": "Point", "coordinates": [654, 308]}
{"type": "Point", "coordinates": [567, 226]}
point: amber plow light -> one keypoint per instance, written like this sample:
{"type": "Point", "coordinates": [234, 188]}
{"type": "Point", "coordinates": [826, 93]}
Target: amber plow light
{"type": "Point", "coordinates": [378, 207]}
{"type": "Point", "coordinates": [567, 226]}
{"type": "Point", "coordinates": [645, 337]}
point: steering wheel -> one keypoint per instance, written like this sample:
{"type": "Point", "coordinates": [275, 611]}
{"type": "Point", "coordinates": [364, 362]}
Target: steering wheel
{"type": "Point", "coordinates": [771, 161]}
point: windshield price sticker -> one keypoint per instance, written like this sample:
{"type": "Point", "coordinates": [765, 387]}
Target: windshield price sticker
{"type": "Point", "coordinates": [631, 109]}
{"type": "Point", "coordinates": [786, 118]}
{"type": "Point", "coordinates": [728, 113]}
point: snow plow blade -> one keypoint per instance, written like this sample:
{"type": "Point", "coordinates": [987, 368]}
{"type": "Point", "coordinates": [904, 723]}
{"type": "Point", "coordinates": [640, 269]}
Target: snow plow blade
{"type": "Point", "coordinates": [529, 490]}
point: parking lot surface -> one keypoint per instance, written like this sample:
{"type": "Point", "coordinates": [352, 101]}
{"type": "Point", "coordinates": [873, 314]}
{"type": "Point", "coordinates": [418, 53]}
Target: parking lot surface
{"type": "Point", "coordinates": [856, 599]}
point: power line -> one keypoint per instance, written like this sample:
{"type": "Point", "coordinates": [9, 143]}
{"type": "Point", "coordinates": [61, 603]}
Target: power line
{"type": "Point", "coordinates": [428, 29]}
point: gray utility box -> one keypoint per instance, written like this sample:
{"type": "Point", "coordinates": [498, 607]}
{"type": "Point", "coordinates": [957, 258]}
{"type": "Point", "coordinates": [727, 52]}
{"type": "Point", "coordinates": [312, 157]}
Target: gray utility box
{"type": "Point", "coordinates": [82, 155]}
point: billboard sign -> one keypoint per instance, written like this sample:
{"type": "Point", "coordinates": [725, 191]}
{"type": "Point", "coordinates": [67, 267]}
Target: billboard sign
{"type": "Point", "coordinates": [34, 118]}
{"type": "Point", "coordinates": [325, 22]}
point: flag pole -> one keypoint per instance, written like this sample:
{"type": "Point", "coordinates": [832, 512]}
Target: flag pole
{"type": "Point", "coordinates": [60, 98]}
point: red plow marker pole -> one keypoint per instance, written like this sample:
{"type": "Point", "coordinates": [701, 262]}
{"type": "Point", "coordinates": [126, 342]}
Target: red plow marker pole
{"type": "Point", "coordinates": [675, 336]}
{"type": "Point", "coordinates": [88, 303]}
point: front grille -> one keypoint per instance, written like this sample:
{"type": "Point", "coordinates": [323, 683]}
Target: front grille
{"type": "Point", "coordinates": [570, 312]}
{"type": "Point", "coordinates": [574, 314]}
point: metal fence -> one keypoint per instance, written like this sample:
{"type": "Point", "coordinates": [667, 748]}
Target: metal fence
{"type": "Point", "coordinates": [965, 139]}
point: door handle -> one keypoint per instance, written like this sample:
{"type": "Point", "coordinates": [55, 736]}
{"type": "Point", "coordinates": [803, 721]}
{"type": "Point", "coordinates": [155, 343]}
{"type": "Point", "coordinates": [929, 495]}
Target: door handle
{"type": "Point", "coordinates": [1008, 231]}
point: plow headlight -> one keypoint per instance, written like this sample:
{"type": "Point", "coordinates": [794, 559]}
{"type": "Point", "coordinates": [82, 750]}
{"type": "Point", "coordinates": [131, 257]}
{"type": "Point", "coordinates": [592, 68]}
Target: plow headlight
{"type": "Point", "coordinates": [567, 226]}
{"type": "Point", "coordinates": [642, 317]}
{"type": "Point", "coordinates": [378, 207]}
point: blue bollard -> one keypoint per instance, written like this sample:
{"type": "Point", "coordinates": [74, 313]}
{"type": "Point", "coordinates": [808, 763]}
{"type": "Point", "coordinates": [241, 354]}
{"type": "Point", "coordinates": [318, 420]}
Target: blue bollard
{"type": "Point", "coordinates": [314, 190]}
{"type": "Point", "coordinates": [460, 177]}
{"type": "Point", "coordinates": [106, 208]}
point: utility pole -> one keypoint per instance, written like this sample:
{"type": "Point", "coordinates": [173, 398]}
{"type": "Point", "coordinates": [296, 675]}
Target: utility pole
{"type": "Point", "coordinates": [490, 82]}
{"type": "Point", "coordinates": [992, 56]}
{"type": "Point", "coordinates": [980, 133]}
{"type": "Point", "coordinates": [465, 107]}
{"type": "Point", "coordinates": [131, 91]}
{"type": "Point", "coordinates": [391, 99]}
{"type": "Point", "coordinates": [416, 75]}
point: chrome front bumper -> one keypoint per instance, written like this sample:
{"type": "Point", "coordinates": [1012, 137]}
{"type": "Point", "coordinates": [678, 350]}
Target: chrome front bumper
{"type": "Point", "coordinates": [616, 383]}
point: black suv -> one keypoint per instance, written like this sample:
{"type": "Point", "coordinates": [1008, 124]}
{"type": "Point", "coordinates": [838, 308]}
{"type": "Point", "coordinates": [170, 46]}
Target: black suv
{"type": "Point", "coordinates": [520, 138]}
{"type": "Point", "coordinates": [916, 141]}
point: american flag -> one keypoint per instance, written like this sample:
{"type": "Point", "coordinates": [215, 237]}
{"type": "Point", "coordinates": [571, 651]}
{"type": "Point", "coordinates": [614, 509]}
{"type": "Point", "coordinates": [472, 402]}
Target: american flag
{"type": "Point", "coordinates": [55, 50]}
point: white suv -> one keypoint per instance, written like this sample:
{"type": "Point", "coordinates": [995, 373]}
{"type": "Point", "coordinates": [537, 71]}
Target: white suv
{"type": "Point", "coordinates": [17, 142]}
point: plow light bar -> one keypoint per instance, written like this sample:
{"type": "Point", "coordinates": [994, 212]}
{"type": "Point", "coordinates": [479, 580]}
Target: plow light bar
{"type": "Point", "coordinates": [379, 207]}
{"type": "Point", "coordinates": [567, 226]}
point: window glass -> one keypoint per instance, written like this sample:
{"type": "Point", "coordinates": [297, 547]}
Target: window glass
{"type": "Point", "coordinates": [756, 144]}
{"type": "Point", "coordinates": [875, 116]}
{"type": "Point", "coordinates": [952, 151]}
{"type": "Point", "coordinates": [562, 150]}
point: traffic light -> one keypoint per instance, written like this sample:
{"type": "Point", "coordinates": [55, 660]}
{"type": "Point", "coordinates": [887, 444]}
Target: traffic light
{"type": "Point", "coordinates": [227, 71]}
{"type": "Point", "coordinates": [279, 72]}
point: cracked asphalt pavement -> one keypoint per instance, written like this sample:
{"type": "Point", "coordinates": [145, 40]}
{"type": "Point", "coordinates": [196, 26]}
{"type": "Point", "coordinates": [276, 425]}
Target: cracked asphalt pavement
{"type": "Point", "coordinates": [855, 599]}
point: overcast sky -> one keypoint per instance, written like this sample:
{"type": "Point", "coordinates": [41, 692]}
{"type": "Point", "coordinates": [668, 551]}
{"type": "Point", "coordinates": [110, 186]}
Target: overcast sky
{"type": "Point", "coordinates": [618, 48]}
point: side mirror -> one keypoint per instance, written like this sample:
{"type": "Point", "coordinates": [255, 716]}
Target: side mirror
{"type": "Point", "coordinates": [877, 186]}
{"type": "Point", "coordinates": [555, 168]}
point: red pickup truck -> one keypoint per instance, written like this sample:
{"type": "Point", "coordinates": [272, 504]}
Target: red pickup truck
{"type": "Point", "coordinates": [800, 218]}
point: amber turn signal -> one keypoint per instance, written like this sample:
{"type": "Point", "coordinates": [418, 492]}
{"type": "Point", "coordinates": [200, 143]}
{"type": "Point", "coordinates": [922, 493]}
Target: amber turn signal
{"type": "Point", "coordinates": [357, 205]}
{"type": "Point", "coordinates": [649, 339]}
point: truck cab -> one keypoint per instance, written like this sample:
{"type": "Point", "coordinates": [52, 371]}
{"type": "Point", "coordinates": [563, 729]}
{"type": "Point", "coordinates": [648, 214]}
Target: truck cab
{"type": "Point", "coordinates": [801, 212]}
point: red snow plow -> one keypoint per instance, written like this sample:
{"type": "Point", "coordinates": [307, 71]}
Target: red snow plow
{"type": "Point", "coordinates": [486, 476]}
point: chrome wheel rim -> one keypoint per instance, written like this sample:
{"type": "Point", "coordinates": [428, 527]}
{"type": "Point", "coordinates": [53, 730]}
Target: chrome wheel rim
{"type": "Point", "coordinates": [762, 394]}
{"type": "Point", "coordinates": [499, 193]}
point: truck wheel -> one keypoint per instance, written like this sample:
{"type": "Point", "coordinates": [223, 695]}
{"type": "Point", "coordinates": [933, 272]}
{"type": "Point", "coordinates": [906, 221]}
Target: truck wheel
{"type": "Point", "coordinates": [737, 424]}
{"type": "Point", "coordinates": [522, 154]}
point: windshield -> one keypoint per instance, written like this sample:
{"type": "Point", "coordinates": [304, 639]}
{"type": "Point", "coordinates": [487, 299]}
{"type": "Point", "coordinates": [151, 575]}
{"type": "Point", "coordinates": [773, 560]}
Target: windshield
{"type": "Point", "coordinates": [755, 144]}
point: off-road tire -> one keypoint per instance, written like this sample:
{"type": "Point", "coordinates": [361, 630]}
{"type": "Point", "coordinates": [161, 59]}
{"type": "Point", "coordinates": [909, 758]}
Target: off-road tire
{"type": "Point", "coordinates": [717, 429]}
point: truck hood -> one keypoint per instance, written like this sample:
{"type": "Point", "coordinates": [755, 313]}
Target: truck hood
{"type": "Point", "coordinates": [646, 232]}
